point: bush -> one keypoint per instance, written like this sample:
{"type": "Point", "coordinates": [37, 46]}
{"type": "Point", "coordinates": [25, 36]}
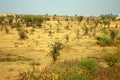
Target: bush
{"type": "Point", "coordinates": [2, 18]}
{"type": "Point", "coordinates": [22, 34]}
{"type": "Point", "coordinates": [89, 65]}
{"type": "Point", "coordinates": [32, 20]}
{"type": "Point", "coordinates": [10, 19]}
{"type": "Point", "coordinates": [16, 25]}
{"type": "Point", "coordinates": [113, 34]}
{"type": "Point", "coordinates": [111, 59]}
{"type": "Point", "coordinates": [7, 30]}
{"type": "Point", "coordinates": [104, 41]}
{"type": "Point", "coordinates": [54, 53]}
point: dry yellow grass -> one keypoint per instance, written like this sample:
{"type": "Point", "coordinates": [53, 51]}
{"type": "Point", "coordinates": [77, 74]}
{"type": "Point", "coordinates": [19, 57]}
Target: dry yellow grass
{"type": "Point", "coordinates": [37, 47]}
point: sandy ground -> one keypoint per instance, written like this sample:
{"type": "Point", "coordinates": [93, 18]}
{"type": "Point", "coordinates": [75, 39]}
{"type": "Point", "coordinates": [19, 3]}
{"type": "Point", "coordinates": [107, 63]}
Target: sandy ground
{"type": "Point", "coordinates": [17, 55]}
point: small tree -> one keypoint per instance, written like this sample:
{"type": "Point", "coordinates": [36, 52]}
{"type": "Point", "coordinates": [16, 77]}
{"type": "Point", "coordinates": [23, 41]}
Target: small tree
{"type": "Point", "coordinates": [79, 19]}
{"type": "Point", "coordinates": [55, 51]}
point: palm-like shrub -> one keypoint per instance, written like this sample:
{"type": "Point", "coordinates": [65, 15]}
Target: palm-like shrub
{"type": "Point", "coordinates": [55, 51]}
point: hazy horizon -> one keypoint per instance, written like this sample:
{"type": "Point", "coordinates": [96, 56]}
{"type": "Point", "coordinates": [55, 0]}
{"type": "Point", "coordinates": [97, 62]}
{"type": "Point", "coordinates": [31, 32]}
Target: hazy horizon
{"type": "Point", "coordinates": [61, 7]}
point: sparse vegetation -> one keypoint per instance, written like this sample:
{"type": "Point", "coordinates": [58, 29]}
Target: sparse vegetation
{"type": "Point", "coordinates": [72, 37]}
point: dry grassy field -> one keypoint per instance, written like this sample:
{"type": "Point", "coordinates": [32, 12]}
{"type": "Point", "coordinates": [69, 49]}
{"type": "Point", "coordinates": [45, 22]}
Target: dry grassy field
{"type": "Point", "coordinates": [17, 55]}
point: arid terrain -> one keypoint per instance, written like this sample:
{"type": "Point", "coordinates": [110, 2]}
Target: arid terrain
{"type": "Point", "coordinates": [20, 55]}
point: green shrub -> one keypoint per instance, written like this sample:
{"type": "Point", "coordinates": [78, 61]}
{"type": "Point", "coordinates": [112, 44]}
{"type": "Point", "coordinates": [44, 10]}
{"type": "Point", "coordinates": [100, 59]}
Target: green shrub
{"type": "Point", "coordinates": [111, 59]}
{"type": "Point", "coordinates": [104, 41]}
{"type": "Point", "coordinates": [32, 20]}
{"type": "Point", "coordinates": [89, 65]}
{"type": "Point", "coordinates": [54, 53]}
{"type": "Point", "coordinates": [16, 25]}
